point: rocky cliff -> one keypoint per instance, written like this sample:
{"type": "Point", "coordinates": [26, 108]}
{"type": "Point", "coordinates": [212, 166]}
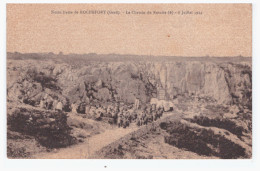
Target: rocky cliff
{"type": "Point", "coordinates": [209, 93]}
{"type": "Point", "coordinates": [222, 82]}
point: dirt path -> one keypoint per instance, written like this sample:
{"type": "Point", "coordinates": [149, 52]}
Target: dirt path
{"type": "Point", "coordinates": [89, 147]}
{"type": "Point", "coordinates": [91, 144]}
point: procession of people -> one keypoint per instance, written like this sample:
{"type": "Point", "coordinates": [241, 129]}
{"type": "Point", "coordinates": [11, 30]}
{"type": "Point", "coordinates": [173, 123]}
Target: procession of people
{"type": "Point", "coordinates": [116, 113]}
{"type": "Point", "coordinates": [123, 115]}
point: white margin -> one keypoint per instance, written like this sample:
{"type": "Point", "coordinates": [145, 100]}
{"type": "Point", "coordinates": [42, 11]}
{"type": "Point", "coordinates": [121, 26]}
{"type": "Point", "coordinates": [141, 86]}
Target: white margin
{"type": "Point", "coordinates": [27, 164]}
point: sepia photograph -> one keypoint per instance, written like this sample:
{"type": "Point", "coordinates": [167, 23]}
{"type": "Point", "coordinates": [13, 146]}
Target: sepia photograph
{"type": "Point", "coordinates": [129, 81]}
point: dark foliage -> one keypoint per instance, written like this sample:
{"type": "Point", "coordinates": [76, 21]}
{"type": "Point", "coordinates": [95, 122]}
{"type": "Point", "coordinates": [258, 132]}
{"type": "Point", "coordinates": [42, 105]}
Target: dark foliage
{"type": "Point", "coordinates": [49, 129]}
{"type": "Point", "coordinates": [47, 81]}
{"type": "Point", "coordinates": [219, 123]}
{"type": "Point", "coordinates": [201, 141]}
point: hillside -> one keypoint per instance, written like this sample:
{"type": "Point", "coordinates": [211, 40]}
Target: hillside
{"type": "Point", "coordinates": [212, 92]}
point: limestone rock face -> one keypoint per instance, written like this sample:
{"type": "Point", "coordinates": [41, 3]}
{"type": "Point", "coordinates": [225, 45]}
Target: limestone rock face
{"type": "Point", "coordinates": [226, 83]}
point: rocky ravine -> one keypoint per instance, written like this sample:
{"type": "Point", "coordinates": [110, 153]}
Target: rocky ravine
{"type": "Point", "coordinates": [226, 83]}
{"type": "Point", "coordinates": [214, 85]}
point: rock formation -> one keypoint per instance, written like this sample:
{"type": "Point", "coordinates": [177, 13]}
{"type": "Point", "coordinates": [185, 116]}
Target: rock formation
{"type": "Point", "coordinates": [225, 83]}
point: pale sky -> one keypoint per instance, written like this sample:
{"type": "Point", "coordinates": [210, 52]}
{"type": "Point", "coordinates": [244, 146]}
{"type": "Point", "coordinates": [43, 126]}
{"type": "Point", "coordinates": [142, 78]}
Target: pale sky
{"type": "Point", "coordinates": [221, 30]}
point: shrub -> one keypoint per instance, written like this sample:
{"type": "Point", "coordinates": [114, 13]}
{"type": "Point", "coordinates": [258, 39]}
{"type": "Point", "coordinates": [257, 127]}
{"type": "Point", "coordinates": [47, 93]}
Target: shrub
{"type": "Point", "coordinates": [50, 129]}
{"type": "Point", "coordinates": [201, 141]}
{"type": "Point", "coordinates": [219, 123]}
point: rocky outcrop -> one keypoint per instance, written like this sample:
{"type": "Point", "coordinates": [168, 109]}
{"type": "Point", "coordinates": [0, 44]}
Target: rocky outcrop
{"type": "Point", "coordinates": [225, 83]}
{"type": "Point", "coordinates": [40, 92]}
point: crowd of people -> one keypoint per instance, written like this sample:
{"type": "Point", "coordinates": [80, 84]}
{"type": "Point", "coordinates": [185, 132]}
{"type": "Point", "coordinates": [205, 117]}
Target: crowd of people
{"type": "Point", "coordinates": [123, 115]}
{"type": "Point", "coordinates": [118, 114]}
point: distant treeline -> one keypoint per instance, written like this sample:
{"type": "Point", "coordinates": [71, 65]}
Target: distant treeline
{"type": "Point", "coordinates": [78, 58]}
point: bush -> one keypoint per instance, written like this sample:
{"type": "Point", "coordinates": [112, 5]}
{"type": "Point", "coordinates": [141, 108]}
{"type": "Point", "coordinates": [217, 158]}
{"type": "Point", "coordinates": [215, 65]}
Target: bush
{"type": "Point", "coordinates": [13, 152]}
{"type": "Point", "coordinates": [219, 123]}
{"type": "Point", "coordinates": [201, 141]}
{"type": "Point", "coordinates": [47, 81]}
{"type": "Point", "coordinates": [50, 129]}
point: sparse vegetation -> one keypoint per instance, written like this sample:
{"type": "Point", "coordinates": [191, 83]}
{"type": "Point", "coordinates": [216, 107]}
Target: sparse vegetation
{"type": "Point", "coordinates": [50, 129]}
{"type": "Point", "coordinates": [201, 141]}
{"type": "Point", "coordinates": [219, 122]}
{"type": "Point", "coordinates": [89, 87]}
{"type": "Point", "coordinates": [46, 81]}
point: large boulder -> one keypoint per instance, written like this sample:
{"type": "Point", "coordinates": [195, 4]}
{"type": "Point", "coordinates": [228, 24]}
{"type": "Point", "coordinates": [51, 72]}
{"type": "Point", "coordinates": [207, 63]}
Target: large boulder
{"type": "Point", "coordinates": [103, 94]}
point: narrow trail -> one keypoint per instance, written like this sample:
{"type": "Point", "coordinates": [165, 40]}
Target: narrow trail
{"type": "Point", "coordinates": [91, 145]}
